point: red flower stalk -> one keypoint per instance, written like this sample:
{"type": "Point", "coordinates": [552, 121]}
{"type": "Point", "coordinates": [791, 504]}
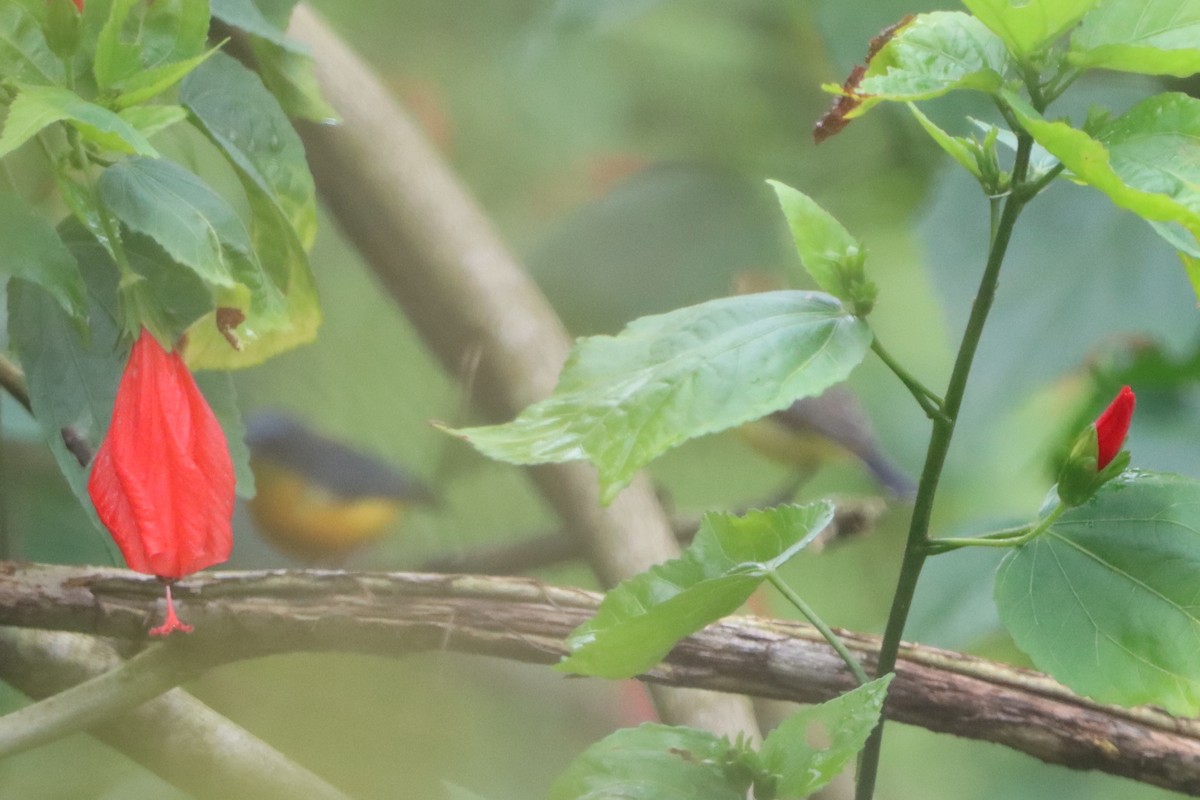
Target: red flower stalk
{"type": "Point", "coordinates": [163, 481]}
{"type": "Point", "coordinates": [1112, 426]}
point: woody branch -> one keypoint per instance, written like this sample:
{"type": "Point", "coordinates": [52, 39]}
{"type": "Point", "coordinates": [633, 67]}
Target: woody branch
{"type": "Point", "coordinates": [256, 613]}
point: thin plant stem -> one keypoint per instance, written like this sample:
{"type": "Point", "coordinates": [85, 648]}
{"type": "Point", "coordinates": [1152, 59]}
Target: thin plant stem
{"type": "Point", "coordinates": [1014, 537]}
{"type": "Point", "coordinates": [1009, 118]}
{"type": "Point", "coordinates": [141, 678]}
{"type": "Point", "coordinates": [1033, 85]}
{"type": "Point", "coordinates": [916, 547]}
{"type": "Point", "coordinates": [111, 232]}
{"type": "Point", "coordinates": [1045, 180]}
{"type": "Point", "coordinates": [950, 544]}
{"type": "Point", "coordinates": [1064, 81]}
{"type": "Point", "coordinates": [834, 640]}
{"type": "Point", "coordinates": [930, 402]}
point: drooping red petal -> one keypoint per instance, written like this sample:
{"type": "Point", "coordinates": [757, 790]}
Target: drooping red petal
{"type": "Point", "coordinates": [1113, 425]}
{"type": "Point", "coordinates": [163, 481]}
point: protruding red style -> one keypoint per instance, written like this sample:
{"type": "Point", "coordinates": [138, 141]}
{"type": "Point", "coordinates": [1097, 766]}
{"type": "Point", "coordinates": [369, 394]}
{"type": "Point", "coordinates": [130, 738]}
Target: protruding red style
{"type": "Point", "coordinates": [171, 623]}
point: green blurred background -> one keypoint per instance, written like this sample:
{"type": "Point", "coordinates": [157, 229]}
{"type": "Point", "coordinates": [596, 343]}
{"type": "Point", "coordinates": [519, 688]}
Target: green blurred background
{"type": "Point", "coordinates": [621, 146]}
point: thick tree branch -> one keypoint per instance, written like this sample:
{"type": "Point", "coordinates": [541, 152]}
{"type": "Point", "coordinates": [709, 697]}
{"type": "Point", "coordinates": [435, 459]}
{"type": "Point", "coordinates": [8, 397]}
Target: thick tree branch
{"type": "Point", "coordinates": [241, 615]}
{"type": "Point", "coordinates": [439, 257]}
{"type": "Point", "coordinates": [175, 735]}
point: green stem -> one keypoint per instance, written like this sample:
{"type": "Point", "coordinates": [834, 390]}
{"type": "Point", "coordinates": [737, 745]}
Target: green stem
{"type": "Point", "coordinates": [1010, 119]}
{"type": "Point", "coordinates": [1035, 188]}
{"type": "Point", "coordinates": [930, 403]}
{"type": "Point", "coordinates": [834, 640]}
{"type": "Point", "coordinates": [145, 676]}
{"type": "Point", "coordinates": [950, 544]}
{"type": "Point", "coordinates": [1053, 92]}
{"type": "Point", "coordinates": [1033, 85]}
{"type": "Point", "coordinates": [916, 547]}
{"type": "Point", "coordinates": [1013, 537]}
{"type": "Point", "coordinates": [1003, 538]}
{"type": "Point", "coordinates": [113, 245]}
{"type": "Point", "coordinates": [994, 209]}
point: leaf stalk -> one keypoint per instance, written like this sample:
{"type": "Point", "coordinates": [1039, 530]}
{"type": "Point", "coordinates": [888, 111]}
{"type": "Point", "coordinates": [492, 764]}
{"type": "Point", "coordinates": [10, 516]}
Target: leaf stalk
{"type": "Point", "coordinates": [811, 615]}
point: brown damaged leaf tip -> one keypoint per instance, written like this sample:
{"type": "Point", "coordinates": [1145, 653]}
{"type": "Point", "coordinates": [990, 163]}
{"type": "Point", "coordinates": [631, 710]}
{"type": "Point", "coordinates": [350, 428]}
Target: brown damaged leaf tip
{"type": "Point", "coordinates": [884, 36]}
{"type": "Point", "coordinates": [834, 120]}
{"type": "Point", "coordinates": [228, 319]}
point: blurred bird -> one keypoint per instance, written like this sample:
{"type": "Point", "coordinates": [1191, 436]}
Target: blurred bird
{"type": "Point", "coordinates": [814, 431]}
{"type": "Point", "coordinates": [318, 499]}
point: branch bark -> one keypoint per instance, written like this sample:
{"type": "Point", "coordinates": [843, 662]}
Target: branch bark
{"type": "Point", "coordinates": [246, 614]}
{"type": "Point", "coordinates": [437, 254]}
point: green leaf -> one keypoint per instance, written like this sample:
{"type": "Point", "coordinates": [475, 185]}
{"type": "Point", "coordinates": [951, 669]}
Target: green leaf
{"type": "Point", "coordinates": [63, 26]}
{"type": "Point", "coordinates": [116, 59]}
{"type": "Point", "coordinates": [283, 63]}
{"type": "Point", "coordinates": [33, 251]}
{"type": "Point", "coordinates": [142, 54]}
{"type": "Point", "coordinates": [180, 296]}
{"type": "Point", "coordinates": [244, 120]}
{"type": "Point", "coordinates": [280, 306]}
{"type": "Point", "coordinates": [72, 375]}
{"type": "Point", "coordinates": [934, 54]}
{"type": "Point", "coordinates": [1105, 601]}
{"type": "Point", "coordinates": [1028, 26]}
{"type": "Point", "coordinates": [37, 107]}
{"type": "Point", "coordinates": [1147, 160]}
{"type": "Point", "coordinates": [959, 148]}
{"type": "Point", "coordinates": [277, 12]}
{"type": "Point", "coordinates": [245, 14]}
{"type": "Point", "coordinates": [155, 80]}
{"type": "Point", "coordinates": [623, 400]}
{"type": "Point", "coordinates": [289, 76]}
{"type": "Point", "coordinates": [218, 390]}
{"type": "Point", "coordinates": [1153, 37]}
{"type": "Point", "coordinates": [655, 762]}
{"type": "Point", "coordinates": [640, 620]}
{"type": "Point", "coordinates": [239, 115]}
{"type": "Point", "coordinates": [1191, 266]}
{"type": "Point", "coordinates": [846, 721]}
{"type": "Point", "coordinates": [149, 120]}
{"type": "Point", "coordinates": [831, 255]}
{"type": "Point", "coordinates": [193, 223]}
{"type": "Point", "coordinates": [25, 56]}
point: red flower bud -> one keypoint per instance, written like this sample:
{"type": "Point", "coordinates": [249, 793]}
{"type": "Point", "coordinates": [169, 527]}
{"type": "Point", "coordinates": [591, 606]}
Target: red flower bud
{"type": "Point", "coordinates": [1112, 425]}
{"type": "Point", "coordinates": [163, 482]}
